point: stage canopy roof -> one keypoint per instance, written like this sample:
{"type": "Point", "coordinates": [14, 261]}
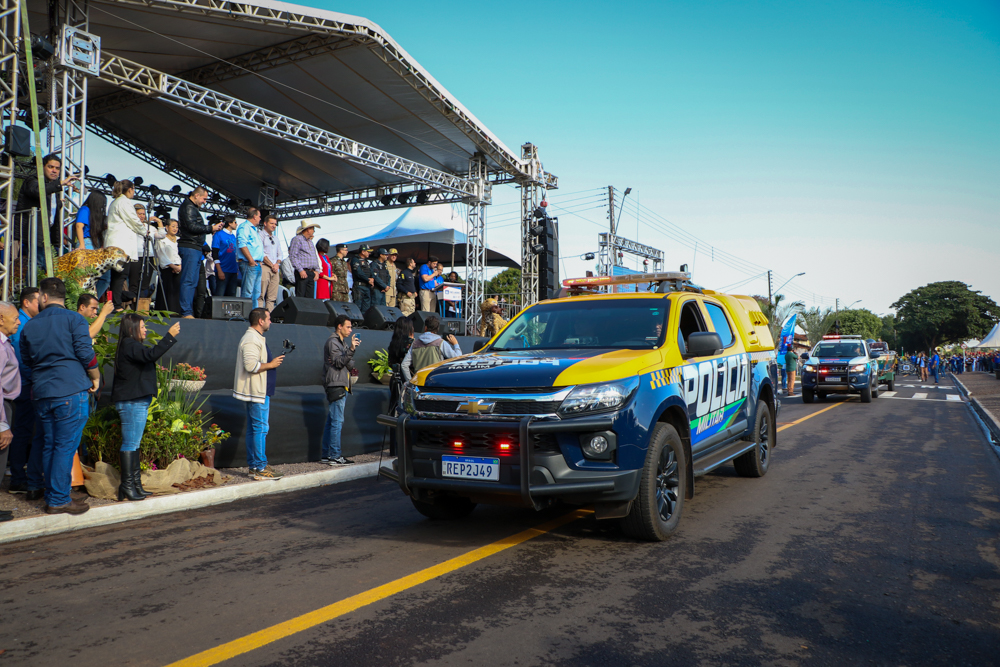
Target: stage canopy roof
{"type": "Point", "coordinates": [340, 73]}
{"type": "Point", "coordinates": [992, 339]}
{"type": "Point", "coordinates": [421, 232]}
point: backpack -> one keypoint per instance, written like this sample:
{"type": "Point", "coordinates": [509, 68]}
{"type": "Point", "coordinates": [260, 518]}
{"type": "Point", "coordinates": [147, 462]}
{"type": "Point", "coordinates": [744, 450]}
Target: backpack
{"type": "Point", "coordinates": [423, 356]}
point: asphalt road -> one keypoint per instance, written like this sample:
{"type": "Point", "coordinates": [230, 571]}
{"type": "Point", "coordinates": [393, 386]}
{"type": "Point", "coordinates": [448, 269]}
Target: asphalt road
{"type": "Point", "coordinates": [873, 539]}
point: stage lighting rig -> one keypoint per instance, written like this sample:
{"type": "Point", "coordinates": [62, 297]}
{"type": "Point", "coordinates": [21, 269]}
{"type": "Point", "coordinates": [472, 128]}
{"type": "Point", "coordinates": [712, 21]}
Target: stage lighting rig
{"type": "Point", "coordinates": [403, 197]}
{"type": "Point", "coordinates": [137, 181]}
{"type": "Point", "coordinates": [110, 180]}
{"type": "Point", "coordinates": [42, 48]}
{"type": "Point", "coordinates": [422, 197]}
{"type": "Point", "coordinates": [176, 189]}
{"type": "Point", "coordinates": [385, 200]}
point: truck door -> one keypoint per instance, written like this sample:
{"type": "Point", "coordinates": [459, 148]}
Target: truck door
{"type": "Point", "coordinates": [735, 398]}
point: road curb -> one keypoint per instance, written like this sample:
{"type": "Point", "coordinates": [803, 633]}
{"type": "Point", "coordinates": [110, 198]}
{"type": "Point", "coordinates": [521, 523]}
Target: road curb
{"type": "Point", "coordinates": [53, 524]}
{"type": "Point", "coordinates": [989, 420]}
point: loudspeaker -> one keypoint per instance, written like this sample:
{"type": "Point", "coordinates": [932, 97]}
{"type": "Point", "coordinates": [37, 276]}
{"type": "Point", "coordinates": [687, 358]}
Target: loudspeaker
{"type": "Point", "coordinates": [301, 310]}
{"type": "Point", "coordinates": [229, 307]}
{"type": "Point", "coordinates": [382, 317]}
{"type": "Point", "coordinates": [17, 141]}
{"type": "Point", "coordinates": [344, 308]}
{"type": "Point", "coordinates": [449, 325]}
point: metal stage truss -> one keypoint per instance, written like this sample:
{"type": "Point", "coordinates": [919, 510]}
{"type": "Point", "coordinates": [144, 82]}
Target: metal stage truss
{"type": "Point", "coordinates": [89, 81]}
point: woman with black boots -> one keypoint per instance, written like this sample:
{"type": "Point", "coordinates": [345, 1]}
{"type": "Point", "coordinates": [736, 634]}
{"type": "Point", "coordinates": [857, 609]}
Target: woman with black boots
{"type": "Point", "coordinates": [133, 391]}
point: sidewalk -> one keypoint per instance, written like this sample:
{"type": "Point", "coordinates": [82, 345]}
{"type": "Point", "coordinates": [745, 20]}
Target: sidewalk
{"type": "Point", "coordinates": [109, 512]}
{"type": "Point", "coordinates": [983, 392]}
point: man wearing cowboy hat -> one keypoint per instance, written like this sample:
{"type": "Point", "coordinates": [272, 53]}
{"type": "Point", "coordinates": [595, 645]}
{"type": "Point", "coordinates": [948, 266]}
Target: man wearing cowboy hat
{"type": "Point", "coordinates": [339, 267]}
{"type": "Point", "coordinates": [380, 272]}
{"type": "Point", "coordinates": [305, 261]}
{"type": "Point", "coordinates": [364, 281]}
{"type": "Point", "coordinates": [390, 294]}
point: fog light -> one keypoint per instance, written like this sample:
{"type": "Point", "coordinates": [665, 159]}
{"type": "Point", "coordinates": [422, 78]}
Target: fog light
{"type": "Point", "coordinates": [597, 445]}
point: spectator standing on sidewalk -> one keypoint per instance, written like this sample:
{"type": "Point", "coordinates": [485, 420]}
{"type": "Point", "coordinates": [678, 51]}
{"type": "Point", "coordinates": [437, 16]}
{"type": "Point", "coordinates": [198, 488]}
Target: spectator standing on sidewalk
{"type": "Point", "coordinates": [10, 384]}
{"type": "Point", "coordinates": [133, 391]}
{"type": "Point", "coordinates": [338, 360]}
{"type": "Point", "coordinates": [791, 365]}
{"type": "Point", "coordinates": [26, 446]}
{"type": "Point", "coordinates": [190, 241]}
{"type": "Point", "coordinates": [340, 268]}
{"type": "Point", "coordinates": [270, 274]}
{"type": "Point", "coordinates": [56, 345]}
{"type": "Point", "coordinates": [250, 256]}
{"type": "Point", "coordinates": [254, 385]}
{"type": "Point", "coordinates": [305, 261]}
{"type": "Point", "coordinates": [936, 366]}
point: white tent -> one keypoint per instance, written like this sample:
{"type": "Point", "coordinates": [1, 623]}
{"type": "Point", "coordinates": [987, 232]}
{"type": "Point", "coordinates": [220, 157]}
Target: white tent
{"type": "Point", "coordinates": [992, 339]}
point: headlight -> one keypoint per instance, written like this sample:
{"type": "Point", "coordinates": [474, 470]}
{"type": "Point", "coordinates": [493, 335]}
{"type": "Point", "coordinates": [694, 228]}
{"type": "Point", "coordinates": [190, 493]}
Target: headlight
{"type": "Point", "coordinates": [598, 397]}
{"type": "Point", "coordinates": [809, 367]}
{"type": "Point", "coordinates": [860, 368]}
{"type": "Point", "coordinates": [407, 398]}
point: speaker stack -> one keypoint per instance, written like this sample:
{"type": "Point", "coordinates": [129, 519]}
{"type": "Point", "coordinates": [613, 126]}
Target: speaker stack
{"type": "Point", "coordinates": [448, 325]}
{"type": "Point", "coordinates": [301, 310]}
{"type": "Point", "coordinates": [382, 317]}
{"type": "Point", "coordinates": [229, 308]}
{"type": "Point", "coordinates": [347, 308]}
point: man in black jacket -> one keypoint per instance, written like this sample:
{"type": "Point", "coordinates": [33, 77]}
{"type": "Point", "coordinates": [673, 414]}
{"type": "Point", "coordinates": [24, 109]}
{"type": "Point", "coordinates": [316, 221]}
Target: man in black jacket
{"type": "Point", "coordinates": [363, 278]}
{"type": "Point", "coordinates": [406, 288]}
{"type": "Point", "coordinates": [190, 239]}
{"type": "Point", "coordinates": [28, 199]}
{"type": "Point", "coordinates": [380, 273]}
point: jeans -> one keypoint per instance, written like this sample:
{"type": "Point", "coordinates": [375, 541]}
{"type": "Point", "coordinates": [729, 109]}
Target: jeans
{"type": "Point", "coordinates": [227, 286]}
{"type": "Point", "coordinates": [133, 414]}
{"type": "Point", "coordinates": [26, 445]}
{"type": "Point", "coordinates": [191, 262]}
{"type": "Point", "coordinates": [250, 287]}
{"type": "Point", "coordinates": [331, 430]}
{"type": "Point", "coordinates": [935, 371]}
{"type": "Point", "coordinates": [257, 417]}
{"type": "Point", "coordinates": [62, 420]}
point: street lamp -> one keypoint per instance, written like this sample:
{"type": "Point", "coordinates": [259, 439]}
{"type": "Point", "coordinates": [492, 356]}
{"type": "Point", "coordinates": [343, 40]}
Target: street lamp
{"type": "Point", "coordinates": [778, 291]}
{"type": "Point", "coordinates": [621, 207]}
{"type": "Point", "coordinates": [849, 307]}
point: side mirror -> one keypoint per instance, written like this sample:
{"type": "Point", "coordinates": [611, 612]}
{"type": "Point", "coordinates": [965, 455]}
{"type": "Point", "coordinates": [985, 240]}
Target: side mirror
{"type": "Point", "coordinates": [874, 354]}
{"type": "Point", "coordinates": [703, 344]}
{"type": "Point", "coordinates": [479, 344]}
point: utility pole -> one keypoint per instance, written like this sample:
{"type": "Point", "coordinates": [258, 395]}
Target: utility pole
{"type": "Point", "coordinates": [613, 259]}
{"type": "Point", "coordinates": [836, 315]}
{"type": "Point", "coordinates": [769, 299]}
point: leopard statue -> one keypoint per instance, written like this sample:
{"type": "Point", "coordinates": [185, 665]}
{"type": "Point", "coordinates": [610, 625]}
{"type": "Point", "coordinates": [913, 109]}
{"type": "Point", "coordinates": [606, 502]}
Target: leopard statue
{"type": "Point", "coordinates": [93, 262]}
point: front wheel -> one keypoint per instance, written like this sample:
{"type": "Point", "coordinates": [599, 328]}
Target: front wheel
{"type": "Point", "coordinates": [807, 395]}
{"type": "Point", "coordinates": [445, 507]}
{"type": "Point", "coordinates": [754, 463]}
{"type": "Point", "coordinates": [866, 394]}
{"type": "Point", "coordinates": [656, 511]}
{"type": "Point", "coordinates": [875, 389]}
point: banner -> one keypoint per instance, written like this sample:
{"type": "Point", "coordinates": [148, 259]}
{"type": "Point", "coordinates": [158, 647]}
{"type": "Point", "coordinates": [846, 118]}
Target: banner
{"type": "Point", "coordinates": [787, 336]}
{"type": "Point", "coordinates": [451, 292]}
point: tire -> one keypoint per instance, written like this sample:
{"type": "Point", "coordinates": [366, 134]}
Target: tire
{"type": "Point", "coordinates": [656, 511]}
{"type": "Point", "coordinates": [755, 462]}
{"type": "Point", "coordinates": [875, 389]}
{"type": "Point", "coordinates": [892, 384]}
{"type": "Point", "coordinates": [808, 396]}
{"type": "Point", "coordinates": [866, 394]}
{"type": "Point", "coordinates": [445, 508]}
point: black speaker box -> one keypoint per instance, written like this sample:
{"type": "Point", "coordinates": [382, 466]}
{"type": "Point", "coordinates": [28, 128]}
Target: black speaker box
{"type": "Point", "coordinates": [301, 310]}
{"type": "Point", "coordinates": [382, 317]}
{"type": "Point", "coordinates": [449, 325]}
{"type": "Point", "coordinates": [344, 308]}
{"type": "Point", "coordinates": [17, 141]}
{"type": "Point", "coordinates": [229, 308]}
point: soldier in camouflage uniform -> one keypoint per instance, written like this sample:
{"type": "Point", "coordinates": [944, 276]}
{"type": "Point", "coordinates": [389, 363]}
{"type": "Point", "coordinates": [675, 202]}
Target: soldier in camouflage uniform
{"type": "Point", "coordinates": [491, 322]}
{"type": "Point", "coordinates": [390, 294]}
{"type": "Point", "coordinates": [363, 279]}
{"type": "Point", "coordinates": [339, 267]}
{"type": "Point", "coordinates": [381, 274]}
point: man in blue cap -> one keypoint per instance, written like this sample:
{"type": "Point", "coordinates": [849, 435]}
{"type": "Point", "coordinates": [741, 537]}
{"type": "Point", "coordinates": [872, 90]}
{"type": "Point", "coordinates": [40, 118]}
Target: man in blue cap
{"type": "Point", "coordinates": [382, 280]}
{"type": "Point", "coordinates": [364, 281]}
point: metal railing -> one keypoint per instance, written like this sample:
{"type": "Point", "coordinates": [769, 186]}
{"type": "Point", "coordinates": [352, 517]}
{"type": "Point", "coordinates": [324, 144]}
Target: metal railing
{"type": "Point", "coordinates": [21, 251]}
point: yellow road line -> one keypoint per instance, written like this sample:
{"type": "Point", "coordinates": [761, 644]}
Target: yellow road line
{"type": "Point", "coordinates": [214, 656]}
{"type": "Point", "coordinates": [809, 416]}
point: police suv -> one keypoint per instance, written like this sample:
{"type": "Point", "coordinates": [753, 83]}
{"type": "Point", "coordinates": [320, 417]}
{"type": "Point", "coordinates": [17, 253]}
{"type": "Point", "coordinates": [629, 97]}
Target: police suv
{"type": "Point", "coordinates": [841, 365]}
{"type": "Point", "coordinates": [612, 400]}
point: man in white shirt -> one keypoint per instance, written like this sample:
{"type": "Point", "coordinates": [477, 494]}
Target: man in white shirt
{"type": "Point", "coordinates": [274, 252]}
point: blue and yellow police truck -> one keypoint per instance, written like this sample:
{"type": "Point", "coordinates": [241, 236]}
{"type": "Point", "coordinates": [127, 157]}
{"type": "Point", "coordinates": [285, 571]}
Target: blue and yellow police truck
{"type": "Point", "coordinates": [600, 398]}
{"type": "Point", "coordinates": [841, 365]}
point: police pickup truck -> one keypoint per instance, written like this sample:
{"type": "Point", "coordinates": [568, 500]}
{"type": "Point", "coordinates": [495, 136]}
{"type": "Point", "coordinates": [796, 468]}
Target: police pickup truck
{"type": "Point", "coordinates": [841, 365]}
{"type": "Point", "coordinates": [612, 400]}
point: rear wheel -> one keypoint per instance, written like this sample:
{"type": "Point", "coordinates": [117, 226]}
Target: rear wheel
{"type": "Point", "coordinates": [807, 395]}
{"type": "Point", "coordinates": [656, 511]}
{"type": "Point", "coordinates": [445, 507]}
{"type": "Point", "coordinates": [754, 463]}
{"type": "Point", "coordinates": [892, 384]}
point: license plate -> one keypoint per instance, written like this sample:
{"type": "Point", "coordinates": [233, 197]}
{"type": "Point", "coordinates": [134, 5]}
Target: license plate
{"type": "Point", "coordinates": [833, 379]}
{"type": "Point", "coordinates": [470, 467]}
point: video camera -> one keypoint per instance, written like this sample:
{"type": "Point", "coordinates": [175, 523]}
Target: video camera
{"type": "Point", "coordinates": [287, 346]}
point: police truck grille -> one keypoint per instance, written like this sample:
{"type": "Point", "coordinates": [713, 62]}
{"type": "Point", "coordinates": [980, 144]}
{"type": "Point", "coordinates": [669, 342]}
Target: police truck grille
{"type": "Point", "coordinates": [499, 408]}
{"type": "Point", "coordinates": [482, 442]}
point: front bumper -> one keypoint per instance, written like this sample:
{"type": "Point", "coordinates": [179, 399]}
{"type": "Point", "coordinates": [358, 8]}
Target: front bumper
{"type": "Point", "coordinates": [849, 384]}
{"type": "Point", "coordinates": [530, 479]}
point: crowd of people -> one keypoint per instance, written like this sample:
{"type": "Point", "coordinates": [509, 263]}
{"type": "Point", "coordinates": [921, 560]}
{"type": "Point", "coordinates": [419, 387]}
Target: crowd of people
{"type": "Point", "coordinates": [933, 364]}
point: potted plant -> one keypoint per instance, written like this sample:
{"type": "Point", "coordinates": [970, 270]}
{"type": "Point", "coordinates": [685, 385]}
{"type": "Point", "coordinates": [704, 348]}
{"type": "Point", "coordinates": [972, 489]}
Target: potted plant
{"type": "Point", "coordinates": [185, 377]}
{"type": "Point", "coordinates": [379, 364]}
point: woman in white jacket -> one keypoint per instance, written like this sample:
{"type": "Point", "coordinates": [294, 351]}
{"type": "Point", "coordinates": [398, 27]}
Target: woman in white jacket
{"type": "Point", "coordinates": [124, 229]}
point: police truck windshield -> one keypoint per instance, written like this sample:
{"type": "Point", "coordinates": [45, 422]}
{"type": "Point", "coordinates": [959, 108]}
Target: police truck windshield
{"type": "Point", "coordinates": [845, 350]}
{"type": "Point", "coordinates": [632, 324]}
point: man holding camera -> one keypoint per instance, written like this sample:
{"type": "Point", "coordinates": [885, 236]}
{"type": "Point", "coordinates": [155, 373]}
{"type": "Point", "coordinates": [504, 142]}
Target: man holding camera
{"type": "Point", "coordinates": [254, 385]}
{"type": "Point", "coordinates": [338, 360]}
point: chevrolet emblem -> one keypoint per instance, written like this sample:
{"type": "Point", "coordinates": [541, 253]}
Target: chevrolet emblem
{"type": "Point", "coordinates": [476, 407]}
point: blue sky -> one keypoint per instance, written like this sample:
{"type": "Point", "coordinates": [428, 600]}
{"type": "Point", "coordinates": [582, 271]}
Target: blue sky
{"type": "Point", "coordinates": [857, 142]}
